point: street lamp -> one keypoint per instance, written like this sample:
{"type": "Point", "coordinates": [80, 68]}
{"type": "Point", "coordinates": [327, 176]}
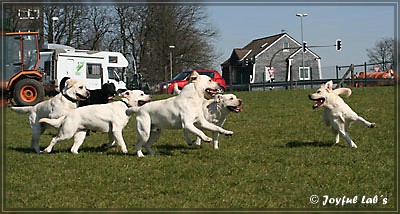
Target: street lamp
{"type": "Point", "coordinates": [170, 58]}
{"type": "Point", "coordinates": [301, 15]}
{"type": "Point", "coordinates": [54, 18]}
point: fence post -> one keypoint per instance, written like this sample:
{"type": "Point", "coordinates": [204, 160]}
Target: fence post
{"type": "Point", "coordinates": [263, 81]}
{"type": "Point", "coordinates": [352, 77]}
{"type": "Point", "coordinates": [365, 74]}
{"type": "Point", "coordinates": [337, 72]}
{"type": "Point", "coordinates": [351, 68]}
{"type": "Point", "coordinates": [311, 77]}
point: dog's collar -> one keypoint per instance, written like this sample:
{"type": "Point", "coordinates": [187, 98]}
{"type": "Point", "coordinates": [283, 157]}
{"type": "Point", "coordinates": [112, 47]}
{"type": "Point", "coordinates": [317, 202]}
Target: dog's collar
{"type": "Point", "coordinates": [69, 98]}
{"type": "Point", "coordinates": [127, 104]}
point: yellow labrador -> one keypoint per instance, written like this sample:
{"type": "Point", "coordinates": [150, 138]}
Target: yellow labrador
{"type": "Point", "coordinates": [55, 107]}
{"type": "Point", "coordinates": [176, 112]}
{"type": "Point", "coordinates": [336, 112]}
{"type": "Point", "coordinates": [216, 111]}
{"type": "Point", "coordinates": [108, 117]}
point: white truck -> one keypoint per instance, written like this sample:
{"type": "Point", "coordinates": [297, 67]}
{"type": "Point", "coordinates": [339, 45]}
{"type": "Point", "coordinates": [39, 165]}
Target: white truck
{"type": "Point", "coordinates": [94, 67]}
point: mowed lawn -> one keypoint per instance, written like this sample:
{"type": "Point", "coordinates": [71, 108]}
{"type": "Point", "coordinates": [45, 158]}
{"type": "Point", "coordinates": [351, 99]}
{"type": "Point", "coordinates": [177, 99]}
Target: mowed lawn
{"type": "Point", "coordinates": [280, 155]}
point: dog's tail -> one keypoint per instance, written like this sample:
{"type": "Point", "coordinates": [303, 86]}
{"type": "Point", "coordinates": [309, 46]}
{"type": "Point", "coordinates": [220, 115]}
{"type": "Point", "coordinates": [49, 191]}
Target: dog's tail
{"type": "Point", "coordinates": [343, 91]}
{"type": "Point", "coordinates": [132, 110]}
{"type": "Point", "coordinates": [22, 110]}
{"type": "Point", "coordinates": [56, 123]}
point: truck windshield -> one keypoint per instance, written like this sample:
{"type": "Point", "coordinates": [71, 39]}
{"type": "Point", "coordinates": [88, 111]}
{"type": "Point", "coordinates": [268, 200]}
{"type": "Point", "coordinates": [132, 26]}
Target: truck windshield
{"type": "Point", "coordinates": [112, 73]}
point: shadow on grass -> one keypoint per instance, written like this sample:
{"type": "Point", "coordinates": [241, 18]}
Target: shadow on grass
{"type": "Point", "coordinates": [99, 149]}
{"type": "Point", "coordinates": [297, 144]}
{"type": "Point", "coordinates": [22, 150]}
{"type": "Point", "coordinates": [169, 150]}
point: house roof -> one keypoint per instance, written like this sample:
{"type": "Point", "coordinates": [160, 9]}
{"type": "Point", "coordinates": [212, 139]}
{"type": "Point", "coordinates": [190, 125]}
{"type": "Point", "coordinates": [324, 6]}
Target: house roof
{"type": "Point", "coordinates": [241, 53]}
{"type": "Point", "coordinates": [258, 46]}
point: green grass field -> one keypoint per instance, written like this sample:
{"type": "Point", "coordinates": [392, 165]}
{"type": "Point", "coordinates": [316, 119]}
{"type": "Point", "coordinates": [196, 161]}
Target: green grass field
{"type": "Point", "coordinates": [280, 155]}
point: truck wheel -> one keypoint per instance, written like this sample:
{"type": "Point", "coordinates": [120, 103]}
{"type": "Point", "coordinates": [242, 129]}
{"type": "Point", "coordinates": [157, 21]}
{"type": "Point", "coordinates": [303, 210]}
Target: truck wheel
{"type": "Point", "coordinates": [28, 92]}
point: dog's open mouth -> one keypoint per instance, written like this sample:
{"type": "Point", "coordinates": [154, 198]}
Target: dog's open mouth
{"type": "Point", "coordinates": [142, 102]}
{"type": "Point", "coordinates": [80, 96]}
{"type": "Point", "coordinates": [235, 109]}
{"type": "Point", "coordinates": [318, 102]}
{"type": "Point", "coordinates": [110, 97]}
{"type": "Point", "coordinates": [211, 91]}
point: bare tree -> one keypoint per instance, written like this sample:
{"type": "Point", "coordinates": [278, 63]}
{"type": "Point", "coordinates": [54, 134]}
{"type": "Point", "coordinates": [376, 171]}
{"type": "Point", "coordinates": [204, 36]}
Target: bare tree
{"type": "Point", "coordinates": [63, 29]}
{"type": "Point", "coordinates": [142, 33]}
{"type": "Point", "coordinates": [184, 27]}
{"type": "Point", "coordinates": [382, 52]}
{"type": "Point", "coordinates": [94, 27]}
{"type": "Point", "coordinates": [82, 27]}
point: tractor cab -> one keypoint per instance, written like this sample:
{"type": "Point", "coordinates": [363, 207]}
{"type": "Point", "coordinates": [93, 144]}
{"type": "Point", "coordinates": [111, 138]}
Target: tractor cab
{"type": "Point", "coordinates": [23, 80]}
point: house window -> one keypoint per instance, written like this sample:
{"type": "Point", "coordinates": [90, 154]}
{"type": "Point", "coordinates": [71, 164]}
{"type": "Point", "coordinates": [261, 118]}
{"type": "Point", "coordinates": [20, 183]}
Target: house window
{"type": "Point", "coordinates": [93, 71]}
{"type": "Point", "coordinates": [285, 45]}
{"type": "Point", "coordinates": [113, 59]}
{"type": "Point", "coordinates": [304, 73]}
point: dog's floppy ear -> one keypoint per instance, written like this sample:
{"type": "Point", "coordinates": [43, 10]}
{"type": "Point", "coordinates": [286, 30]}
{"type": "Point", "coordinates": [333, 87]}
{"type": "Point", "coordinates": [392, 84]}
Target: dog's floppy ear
{"type": "Point", "coordinates": [329, 85]}
{"type": "Point", "coordinates": [62, 83]}
{"type": "Point", "coordinates": [125, 94]}
{"type": "Point", "coordinates": [194, 76]}
{"type": "Point", "coordinates": [69, 83]}
{"type": "Point", "coordinates": [343, 91]}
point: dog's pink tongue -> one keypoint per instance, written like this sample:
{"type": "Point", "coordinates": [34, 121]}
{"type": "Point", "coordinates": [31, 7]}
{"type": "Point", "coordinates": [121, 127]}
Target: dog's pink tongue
{"type": "Point", "coordinates": [317, 104]}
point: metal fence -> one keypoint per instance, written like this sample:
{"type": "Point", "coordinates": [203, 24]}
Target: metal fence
{"type": "Point", "coordinates": [347, 80]}
{"type": "Point", "coordinates": [307, 84]}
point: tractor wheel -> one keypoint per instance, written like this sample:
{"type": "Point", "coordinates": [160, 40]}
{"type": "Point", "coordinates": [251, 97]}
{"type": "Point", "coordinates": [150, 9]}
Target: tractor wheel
{"type": "Point", "coordinates": [28, 92]}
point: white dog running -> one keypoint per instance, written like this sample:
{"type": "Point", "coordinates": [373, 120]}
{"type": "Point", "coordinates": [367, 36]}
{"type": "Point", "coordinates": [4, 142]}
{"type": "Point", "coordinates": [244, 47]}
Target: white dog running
{"type": "Point", "coordinates": [57, 106]}
{"type": "Point", "coordinates": [108, 117]}
{"type": "Point", "coordinates": [177, 112]}
{"type": "Point", "coordinates": [336, 112]}
{"type": "Point", "coordinates": [216, 111]}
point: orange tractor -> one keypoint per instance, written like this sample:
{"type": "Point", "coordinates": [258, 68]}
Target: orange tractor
{"type": "Point", "coordinates": [24, 83]}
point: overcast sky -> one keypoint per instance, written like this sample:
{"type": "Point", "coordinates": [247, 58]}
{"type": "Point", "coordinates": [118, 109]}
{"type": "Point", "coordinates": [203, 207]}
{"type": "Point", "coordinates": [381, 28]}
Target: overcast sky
{"type": "Point", "coordinates": [359, 26]}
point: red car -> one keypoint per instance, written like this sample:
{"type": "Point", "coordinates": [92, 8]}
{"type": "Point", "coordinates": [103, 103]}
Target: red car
{"type": "Point", "coordinates": [180, 79]}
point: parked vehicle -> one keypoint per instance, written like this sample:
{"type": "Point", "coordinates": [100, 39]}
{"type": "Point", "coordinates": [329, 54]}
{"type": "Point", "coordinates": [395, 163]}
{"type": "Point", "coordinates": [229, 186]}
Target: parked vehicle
{"type": "Point", "coordinates": [181, 80]}
{"type": "Point", "coordinates": [23, 82]}
{"type": "Point", "coordinates": [94, 67]}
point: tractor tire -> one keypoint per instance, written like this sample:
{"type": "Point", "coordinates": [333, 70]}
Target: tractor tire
{"type": "Point", "coordinates": [28, 92]}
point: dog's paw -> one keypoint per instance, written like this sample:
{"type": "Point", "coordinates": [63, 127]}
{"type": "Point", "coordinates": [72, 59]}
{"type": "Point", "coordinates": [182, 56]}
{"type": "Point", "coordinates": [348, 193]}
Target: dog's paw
{"type": "Point", "coordinates": [228, 133]}
{"type": "Point", "coordinates": [207, 139]}
{"type": "Point", "coordinates": [74, 152]}
{"type": "Point", "coordinates": [45, 151]}
{"type": "Point", "coordinates": [197, 143]}
{"type": "Point", "coordinates": [140, 154]}
{"type": "Point", "coordinates": [194, 143]}
{"type": "Point", "coordinates": [373, 125]}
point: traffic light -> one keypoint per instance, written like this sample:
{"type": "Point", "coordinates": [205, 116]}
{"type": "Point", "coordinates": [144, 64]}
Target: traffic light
{"type": "Point", "coordinates": [245, 62]}
{"type": "Point", "coordinates": [304, 46]}
{"type": "Point", "coordinates": [338, 44]}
